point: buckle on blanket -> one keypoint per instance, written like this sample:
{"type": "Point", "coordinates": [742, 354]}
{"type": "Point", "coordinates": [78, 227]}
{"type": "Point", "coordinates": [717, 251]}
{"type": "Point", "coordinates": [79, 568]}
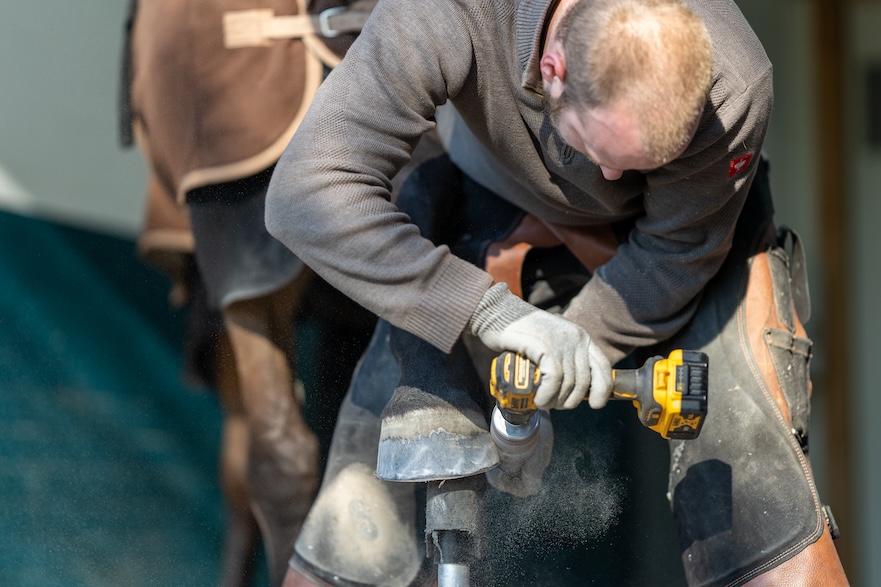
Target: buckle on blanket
{"type": "Point", "coordinates": [246, 28]}
{"type": "Point", "coordinates": [324, 16]}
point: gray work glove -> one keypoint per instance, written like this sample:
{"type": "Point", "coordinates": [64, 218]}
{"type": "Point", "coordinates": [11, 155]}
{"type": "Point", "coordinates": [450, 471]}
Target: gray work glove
{"type": "Point", "coordinates": [570, 364]}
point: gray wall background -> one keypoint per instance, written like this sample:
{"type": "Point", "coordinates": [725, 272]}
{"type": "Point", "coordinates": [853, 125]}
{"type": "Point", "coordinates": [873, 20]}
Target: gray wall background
{"type": "Point", "coordinates": [865, 51]}
{"type": "Point", "coordinates": [59, 153]}
{"type": "Point", "coordinates": [60, 159]}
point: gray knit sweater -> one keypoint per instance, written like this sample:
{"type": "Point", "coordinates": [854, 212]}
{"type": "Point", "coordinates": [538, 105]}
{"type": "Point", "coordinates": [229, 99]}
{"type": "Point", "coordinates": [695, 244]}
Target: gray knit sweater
{"type": "Point", "coordinates": [329, 198]}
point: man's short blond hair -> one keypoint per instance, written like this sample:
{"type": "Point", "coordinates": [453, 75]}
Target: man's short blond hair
{"type": "Point", "coordinates": [655, 56]}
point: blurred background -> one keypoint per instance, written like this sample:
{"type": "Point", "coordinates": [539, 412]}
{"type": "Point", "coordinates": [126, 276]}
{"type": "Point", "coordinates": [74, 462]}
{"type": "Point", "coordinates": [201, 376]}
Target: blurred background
{"type": "Point", "coordinates": [87, 334]}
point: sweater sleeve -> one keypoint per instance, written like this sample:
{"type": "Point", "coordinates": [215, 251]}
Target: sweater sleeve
{"type": "Point", "coordinates": [329, 199]}
{"type": "Point", "coordinates": [652, 286]}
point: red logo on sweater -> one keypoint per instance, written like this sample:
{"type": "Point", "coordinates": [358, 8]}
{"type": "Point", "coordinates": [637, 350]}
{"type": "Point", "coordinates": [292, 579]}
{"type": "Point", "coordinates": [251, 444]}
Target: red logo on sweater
{"type": "Point", "coordinates": [739, 164]}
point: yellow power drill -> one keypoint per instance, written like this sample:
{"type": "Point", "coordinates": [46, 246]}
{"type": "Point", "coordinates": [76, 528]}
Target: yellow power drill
{"type": "Point", "coordinates": [670, 395]}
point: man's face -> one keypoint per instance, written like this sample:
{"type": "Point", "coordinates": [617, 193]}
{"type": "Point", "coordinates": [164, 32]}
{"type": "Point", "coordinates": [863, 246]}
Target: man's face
{"type": "Point", "coordinates": [609, 136]}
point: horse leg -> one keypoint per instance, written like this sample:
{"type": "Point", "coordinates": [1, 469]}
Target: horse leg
{"type": "Point", "coordinates": [241, 535]}
{"type": "Point", "coordinates": [282, 461]}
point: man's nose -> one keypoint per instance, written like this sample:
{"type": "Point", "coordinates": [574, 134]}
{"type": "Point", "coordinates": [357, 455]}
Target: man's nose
{"type": "Point", "coordinates": [611, 174]}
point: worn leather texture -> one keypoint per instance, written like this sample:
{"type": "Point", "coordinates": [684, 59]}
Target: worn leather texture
{"type": "Point", "coordinates": [816, 565]}
{"type": "Point", "coordinates": [742, 493]}
{"type": "Point", "coordinates": [362, 530]}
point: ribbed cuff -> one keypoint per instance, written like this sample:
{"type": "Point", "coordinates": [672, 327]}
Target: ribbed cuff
{"type": "Point", "coordinates": [497, 308]}
{"type": "Point", "coordinates": [448, 304]}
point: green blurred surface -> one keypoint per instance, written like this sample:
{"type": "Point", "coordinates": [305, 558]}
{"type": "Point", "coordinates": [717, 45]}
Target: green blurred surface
{"type": "Point", "coordinates": [107, 461]}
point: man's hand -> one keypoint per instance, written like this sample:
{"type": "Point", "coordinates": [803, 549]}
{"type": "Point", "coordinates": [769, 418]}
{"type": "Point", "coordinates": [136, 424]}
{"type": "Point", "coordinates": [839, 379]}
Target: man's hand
{"type": "Point", "coordinates": [570, 364]}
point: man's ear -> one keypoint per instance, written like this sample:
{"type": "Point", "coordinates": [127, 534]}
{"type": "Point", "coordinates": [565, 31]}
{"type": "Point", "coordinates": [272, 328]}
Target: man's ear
{"type": "Point", "coordinates": [553, 72]}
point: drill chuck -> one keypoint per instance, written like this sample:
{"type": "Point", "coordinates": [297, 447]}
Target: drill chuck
{"type": "Point", "coordinates": [516, 442]}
